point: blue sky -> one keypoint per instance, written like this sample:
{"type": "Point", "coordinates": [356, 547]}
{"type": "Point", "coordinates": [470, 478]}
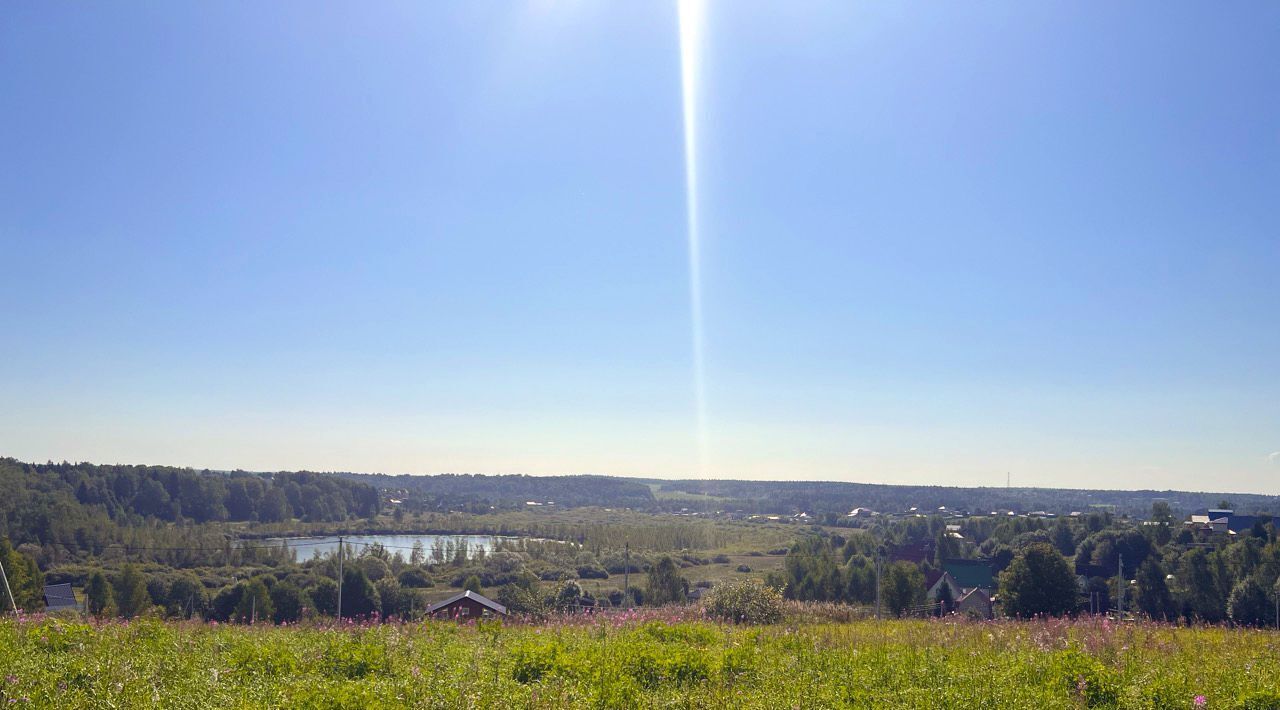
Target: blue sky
{"type": "Point", "coordinates": [939, 243]}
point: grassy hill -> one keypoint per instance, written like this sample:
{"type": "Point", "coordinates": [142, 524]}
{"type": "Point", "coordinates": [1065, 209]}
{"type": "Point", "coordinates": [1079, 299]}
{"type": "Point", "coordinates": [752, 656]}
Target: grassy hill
{"type": "Point", "coordinates": [638, 662]}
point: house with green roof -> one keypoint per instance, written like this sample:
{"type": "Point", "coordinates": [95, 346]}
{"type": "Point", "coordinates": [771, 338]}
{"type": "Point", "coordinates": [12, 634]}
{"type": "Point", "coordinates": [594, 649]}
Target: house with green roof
{"type": "Point", "coordinates": [963, 578]}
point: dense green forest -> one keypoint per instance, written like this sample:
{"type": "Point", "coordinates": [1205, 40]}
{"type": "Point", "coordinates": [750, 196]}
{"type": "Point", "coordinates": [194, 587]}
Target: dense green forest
{"type": "Point", "coordinates": [83, 506]}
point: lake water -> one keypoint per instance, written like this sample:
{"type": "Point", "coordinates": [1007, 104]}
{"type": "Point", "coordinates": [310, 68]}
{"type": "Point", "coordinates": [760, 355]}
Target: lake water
{"type": "Point", "coordinates": [309, 547]}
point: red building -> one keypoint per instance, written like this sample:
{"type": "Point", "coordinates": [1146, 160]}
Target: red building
{"type": "Point", "coordinates": [465, 606]}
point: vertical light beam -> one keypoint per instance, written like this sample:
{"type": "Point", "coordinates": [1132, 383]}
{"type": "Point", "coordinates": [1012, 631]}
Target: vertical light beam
{"type": "Point", "coordinates": [692, 14]}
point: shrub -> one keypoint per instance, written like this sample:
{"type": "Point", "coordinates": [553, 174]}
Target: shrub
{"type": "Point", "coordinates": [744, 568]}
{"type": "Point", "coordinates": [1262, 700]}
{"type": "Point", "coordinates": [350, 657]}
{"type": "Point", "coordinates": [1086, 679]}
{"type": "Point", "coordinates": [415, 578]}
{"type": "Point", "coordinates": [534, 662]}
{"type": "Point", "coordinates": [745, 602]}
{"type": "Point", "coordinates": [259, 658]}
{"type": "Point", "coordinates": [592, 572]}
{"type": "Point", "coordinates": [652, 667]}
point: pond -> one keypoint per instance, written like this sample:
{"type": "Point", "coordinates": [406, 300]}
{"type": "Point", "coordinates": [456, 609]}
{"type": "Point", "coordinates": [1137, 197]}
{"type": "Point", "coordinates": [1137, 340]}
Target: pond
{"type": "Point", "coordinates": [311, 547]}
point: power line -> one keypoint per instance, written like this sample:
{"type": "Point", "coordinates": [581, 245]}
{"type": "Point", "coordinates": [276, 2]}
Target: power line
{"type": "Point", "coordinates": [151, 548]}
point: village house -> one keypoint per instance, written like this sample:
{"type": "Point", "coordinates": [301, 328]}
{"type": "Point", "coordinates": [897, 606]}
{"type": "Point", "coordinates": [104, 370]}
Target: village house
{"type": "Point", "coordinates": [466, 606]}
{"type": "Point", "coordinates": [60, 597]}
{"type": "Point", "coordinates": [977, 603]}
{"type": "Point", "coordinates": [963, 578]}
{"type": "Point", "coordinates": [1224, 521]}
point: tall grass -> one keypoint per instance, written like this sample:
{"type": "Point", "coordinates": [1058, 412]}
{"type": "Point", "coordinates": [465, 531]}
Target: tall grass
{"type": "Point", "coordinates": [650, 659]}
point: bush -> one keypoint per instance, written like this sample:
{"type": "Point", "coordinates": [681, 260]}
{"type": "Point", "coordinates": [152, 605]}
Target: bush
{"type": "Point", "coordinates": [592, 572]}
{"type": "Point", "coordinates": [745, 602]}
{"type": "Point", "coordinates": [1261, 701]}
{"type": "Point", "coordinates": [744, 568]}
{"type": "Point", "coordinates": [720, 559]}
{"type": "Point", "coordinates": [415, 578]}
{"type": "Point", "coordinates": [1086, 679]}
{"type": "Point", "coordinates": [535, 662]}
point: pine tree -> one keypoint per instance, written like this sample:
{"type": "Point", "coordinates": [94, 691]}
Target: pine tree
{"type": "Point", "coordinates": [359, 597]}
{"type": "Point", "coordinates": [131, 592]}
{"type": "Point", "coordinates": [903, 588]}
{"type": "Point", "coordinates": [945, 601]}
{"type": "Point", "coordinates": [100, 597]}
{"type": "Point", "coordinates": [255, 603]}
{"type": "Point", "coordinates": [665, 585]}
{"type": "Point", "coordinates": [1153, 597]}
{"type": "Point", "coordinates": [26, 582]}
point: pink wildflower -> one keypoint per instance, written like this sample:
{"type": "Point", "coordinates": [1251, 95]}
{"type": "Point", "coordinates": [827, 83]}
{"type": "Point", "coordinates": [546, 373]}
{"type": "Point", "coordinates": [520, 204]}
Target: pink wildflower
{"type": "Point", "coordinates": [1201, 701]}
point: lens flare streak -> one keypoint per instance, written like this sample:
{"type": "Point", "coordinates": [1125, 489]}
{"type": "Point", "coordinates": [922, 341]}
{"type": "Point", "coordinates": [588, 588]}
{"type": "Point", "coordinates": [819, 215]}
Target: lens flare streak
{"type": "Point", "coordinates": [691, 17]}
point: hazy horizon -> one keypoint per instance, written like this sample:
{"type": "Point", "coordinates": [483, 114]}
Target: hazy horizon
{"type": "Point", "coordinates": [1014, 485]}
{"type": "Point", "coordinates": [938, 244]}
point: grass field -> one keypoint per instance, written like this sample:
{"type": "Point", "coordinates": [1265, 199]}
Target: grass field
{"type": "Point", "coordinates": [654, 659]}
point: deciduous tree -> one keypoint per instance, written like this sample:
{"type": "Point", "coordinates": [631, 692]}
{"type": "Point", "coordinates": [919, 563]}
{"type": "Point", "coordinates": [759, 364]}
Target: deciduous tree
{"type": "Point", "coordinates": [1038, 582]}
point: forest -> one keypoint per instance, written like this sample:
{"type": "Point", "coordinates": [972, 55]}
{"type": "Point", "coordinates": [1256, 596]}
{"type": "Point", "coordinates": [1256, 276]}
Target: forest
{"type": "Point", "coordinates": [139, 540]}
{"type": "Point", "coordinates": [477, 493]}
{"type": "Point", "coordinates": [83, 505]}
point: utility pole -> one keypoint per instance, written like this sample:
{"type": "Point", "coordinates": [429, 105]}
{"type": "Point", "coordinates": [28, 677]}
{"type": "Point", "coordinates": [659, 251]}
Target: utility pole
{"type": "Point", "coordinates": [1120, 585]}
{"type": "Point", "coordinates": [253, 610]}
{"type": "Point", "coordinates": [339, 578]}
{"type": "Point", "coordinates": [12, 602]}
{"type": "Point", "coordinates": [626, 575]}
{"type": "Point", "coordinates": [878, 565]}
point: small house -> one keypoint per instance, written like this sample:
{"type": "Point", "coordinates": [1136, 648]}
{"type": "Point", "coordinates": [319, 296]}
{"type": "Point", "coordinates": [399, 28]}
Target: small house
{"type": "Point", "coordinates": [466, 606]}
{"type": "Point", "coordinates": [976, 603]}
{"type": "Point", "coordinates": [60, 597]}
{"type": "Point", "coordinates": [962, 577]}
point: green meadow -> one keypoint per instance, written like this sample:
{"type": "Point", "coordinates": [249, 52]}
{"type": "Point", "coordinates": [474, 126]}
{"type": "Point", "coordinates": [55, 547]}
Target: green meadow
{"type": "Point", "coordinates": [652, 659]}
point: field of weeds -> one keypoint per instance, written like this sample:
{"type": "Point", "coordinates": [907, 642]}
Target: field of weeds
{"type": "Point", "coordinates": [654, 659]}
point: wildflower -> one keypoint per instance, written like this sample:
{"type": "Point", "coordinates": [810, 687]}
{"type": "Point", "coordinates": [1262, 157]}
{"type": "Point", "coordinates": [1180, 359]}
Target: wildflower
{"type": "Point", "coordinates": [1201, 701]}
{"type": "Point", "coordinates": [11, 678]}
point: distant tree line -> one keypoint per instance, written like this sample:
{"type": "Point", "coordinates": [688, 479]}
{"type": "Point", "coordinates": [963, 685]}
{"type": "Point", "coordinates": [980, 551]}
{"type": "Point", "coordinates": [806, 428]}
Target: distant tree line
{"type": "Point", "coordinates": [477, 493]}
{"type": "Point", "coordinates": [70, 504]}
{"type": "Point", "coordinates": [830, 501]}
